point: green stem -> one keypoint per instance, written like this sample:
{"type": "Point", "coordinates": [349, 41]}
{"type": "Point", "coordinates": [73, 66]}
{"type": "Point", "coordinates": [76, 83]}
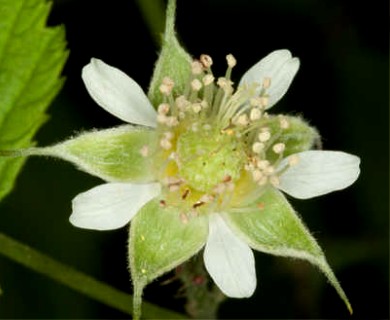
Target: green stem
{"type": "Point", "coordinates": [77, 280]}
{"type": "Point", "coordinates": [153, 14]}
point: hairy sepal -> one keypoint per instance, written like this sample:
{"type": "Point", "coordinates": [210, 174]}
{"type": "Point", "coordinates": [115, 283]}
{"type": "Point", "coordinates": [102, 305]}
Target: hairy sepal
{"type": "Point", "coordinates": [173, 61]}
{"type": "Point", "coordinates": [270, 225]}
{"type": "Point", "coordinates": [120, 154]}
{"type": "Point", "coordinates": [160, 240]}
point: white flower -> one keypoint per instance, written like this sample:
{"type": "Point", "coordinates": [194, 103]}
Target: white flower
{"type": "Point", "coordinates": [227, 257]}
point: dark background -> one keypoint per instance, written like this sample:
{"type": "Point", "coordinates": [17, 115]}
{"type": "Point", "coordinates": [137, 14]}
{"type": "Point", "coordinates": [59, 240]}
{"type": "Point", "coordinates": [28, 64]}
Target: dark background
{"type": "Point", "coordinates": [341, 87]}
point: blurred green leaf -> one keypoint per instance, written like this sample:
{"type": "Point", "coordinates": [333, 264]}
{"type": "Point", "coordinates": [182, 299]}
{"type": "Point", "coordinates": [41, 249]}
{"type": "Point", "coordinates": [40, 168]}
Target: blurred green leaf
{"type": "Point", "coordinates": [31, 59]}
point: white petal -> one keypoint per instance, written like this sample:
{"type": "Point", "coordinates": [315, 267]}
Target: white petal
{"type": "Point", "coordinates": [280, 67]}
{"type": "Point", "coordinates": [118, 94]}
{"type": "Point", "coordinates": [318, 173]}
{"type": "Point", "coordinates": [111, 205]}
{"type": "Point", "coordinates": [229, 260]}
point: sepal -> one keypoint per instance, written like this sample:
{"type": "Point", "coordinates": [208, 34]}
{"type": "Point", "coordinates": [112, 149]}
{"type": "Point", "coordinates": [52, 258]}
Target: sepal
{"type": "Point", "coordinates": [161, 238]}
{"type": "Point", "coordinates": [120, 154]}
{"type": "Point", "coordinates": [270, 225]}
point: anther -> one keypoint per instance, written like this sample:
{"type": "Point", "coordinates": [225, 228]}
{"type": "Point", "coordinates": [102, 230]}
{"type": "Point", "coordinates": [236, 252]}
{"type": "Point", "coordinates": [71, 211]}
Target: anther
{"type": "Point", "coordinates": [224, 84]}
{"type": "Point", "coordinates": [163, 203]}
{"type": "Point", "coordinates": [279, 148]}
{"type": "Point", "coordinates": [242, 120]}
{"type": "Point", "coordinates": [257, 175]}
{"type": "Point", "coordinates": [197, 204]}
{"type": "Point", "coordinates": [206, 198]}
{"type": "Point", "coordinates": [196, 67]}
{"type": "Point", "coordinates": [182, 103]}
{"type": "Point", "coordinates": [196, 85]}
{"type": "Point", "coordinates": [257, 147]}
{"type": "Point", "coordinates": [255, 114]}
{"type": "Point", "coordinates": [283, 122]}
{"type": "Point", "coordinates": [166, 86]}
{"type": "Point", "coordinates": [206, 61]}
{"type": "Point", "coordinates": [161, 118]}
{"type": "Point", "coordinates": [185, 194]}
{"type": "Point", "coordinates": [165, 144]}
{"type": "Point", "coordinates": [144, 151]}
{"type": "Point", "coordinates": [263, 164]}
{"type": "Point", "coordinates": [264, 101]}
{"type": "Point", "coordinates": [227, 179]}
{"type": "Point", "coordinates": [231, 61]}
{"type": "Point", "coordinates": [264, 136]}
{"type": "Point", "coordinates": [208, 79]}
{"type": "Point", "coordinates": [171, 121]}
{"type": "Point", "coordinates": [196, 107]}
{"type": "Point", "coordinates": [163, 108]}
{"type": "Point", "coordinates": [293, 160]}
{"type": "Point", "coordinates": [266, 82]}
{"type": "Point", "coordinates": [168, 135]}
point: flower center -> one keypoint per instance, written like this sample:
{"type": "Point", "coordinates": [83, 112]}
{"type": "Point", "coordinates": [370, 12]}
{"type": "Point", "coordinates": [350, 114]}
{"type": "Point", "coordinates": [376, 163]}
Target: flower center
{"type": "Point", "coordinates": [215, 145]}
{"type": "Point", "coordinates": [208, 157]}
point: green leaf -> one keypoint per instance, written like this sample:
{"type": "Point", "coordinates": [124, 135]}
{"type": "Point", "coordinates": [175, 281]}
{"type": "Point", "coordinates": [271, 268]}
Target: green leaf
{"type": "Point", "coordinates": [298, 137]}
{"type": "Point", "coordinates": [270, 225]}
{"type": "Point", "coordinates": [31, 59]}
{"type": "Point", "coordinates": [113, 154]}
{"type": "Point", "coordinates": [161, 238]}
{"type": "Point", "coordinates": [173, 61]}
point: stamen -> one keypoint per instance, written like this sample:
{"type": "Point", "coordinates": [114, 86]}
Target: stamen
{"type": "Point", "coordinates": [163, 203]}
{"type": "Point", "coordinates": [208, 79]}
{"type": "Point", "coordinates": [182, 103]}
{"type": "Point", "coordinates": [163, 108]}
{"type": "Point", "coordinates": [255, 114]}
{"type": "Point", "coordinates": [166, 86]}
{"type": "Point", "coordinates": [196, 67]}
{"type": "Point", "coordinates": [165, 144]}
{"type": "Point", "coordinates": [283, 122]}
{"type": "Point", "coordinates": [171, 121]}
{"type": "Point", "coordinates": [185, 194]}
{"type": "Point", "coordinates": [264, 101]}
{"type": "Point", "coordinates": [279, 148]}
{"type": "Point", "coordinates": [266, 82]}
{"type": "Point", "coordinates": [225, 84]}
{"type": "Point", "coordinates": [231, 61]}
{"type": "Point", "coordinates": [263, 164]}
{"type": "Point", "coordinates": [264, 136]}
{"type": "Point", "coordinates": [144, 151]}
{"type": "Point", "coordinates": [206, 61]}
{"type": "Point", "coordinates": [196, 85]}
{"type": "Point", "coordinates": [293, 160]}
{"type": "Point", "coordinates": [257, 147]}
{"type": "Point", "coordinates": [242, 120]}
{"type": "Point", "coordinates": [196, 107]}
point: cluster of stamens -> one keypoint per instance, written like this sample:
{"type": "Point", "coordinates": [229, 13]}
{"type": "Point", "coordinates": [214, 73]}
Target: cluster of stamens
{"type": "Point", "coordinates": [210, 107]}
